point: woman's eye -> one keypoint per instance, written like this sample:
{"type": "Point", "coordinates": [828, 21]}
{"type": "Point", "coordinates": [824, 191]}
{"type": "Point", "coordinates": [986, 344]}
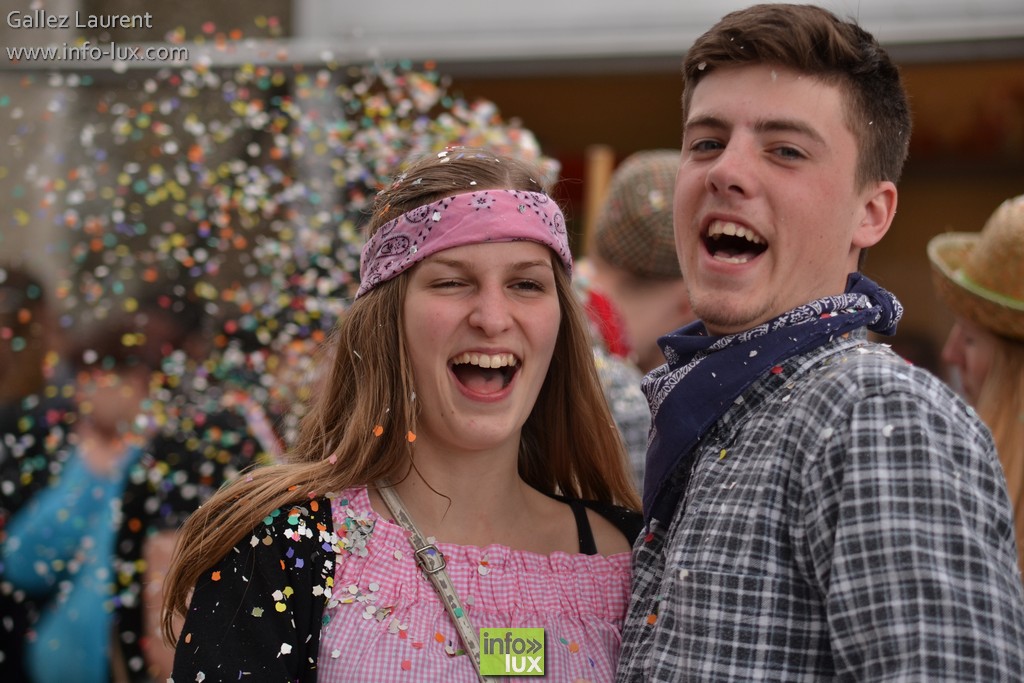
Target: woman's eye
{"type": "Point", "coordinates": [529, 286]}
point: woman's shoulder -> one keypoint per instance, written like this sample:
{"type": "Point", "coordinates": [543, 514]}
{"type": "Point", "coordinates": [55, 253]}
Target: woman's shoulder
{"type": "Point", "coordinates": [629, 522]}
{"type": "Point", "coordinates": [296, 535]}
{"type": "Point", "coordinates": [605, 520]}
{"type": "Point", "coordinates": [308, 519]}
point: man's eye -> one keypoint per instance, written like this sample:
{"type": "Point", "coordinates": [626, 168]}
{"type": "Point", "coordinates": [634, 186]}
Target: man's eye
{"type": "Point", "coordinates": [706, 146]}
{"type": "Point", "coordinates": [789, 153]}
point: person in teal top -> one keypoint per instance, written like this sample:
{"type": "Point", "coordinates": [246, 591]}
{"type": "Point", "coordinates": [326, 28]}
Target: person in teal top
{"type": "Point", "coordinates": [64, 541]}
{"type": "Point", "coordinates": [60, 545]}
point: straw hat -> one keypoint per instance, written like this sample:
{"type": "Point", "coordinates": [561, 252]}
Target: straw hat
{"type": "Point", "coordinates": [634, 229]}
{"type": "Point", "coordinates": [979, 275]}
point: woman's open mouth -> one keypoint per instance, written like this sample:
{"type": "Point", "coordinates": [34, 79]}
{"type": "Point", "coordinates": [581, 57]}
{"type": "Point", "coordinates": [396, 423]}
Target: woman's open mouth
{"type": "Point", "coordinates": [484, 373]}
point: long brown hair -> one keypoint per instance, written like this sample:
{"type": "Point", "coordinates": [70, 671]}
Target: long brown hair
{"type": "Point", "coordinates": [1001, 408]}
{"type": "Point", "coordinates": [569, 445]}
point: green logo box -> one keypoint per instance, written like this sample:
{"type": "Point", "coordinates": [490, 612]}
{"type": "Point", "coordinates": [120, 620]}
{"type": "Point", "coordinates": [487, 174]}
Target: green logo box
{"type": "Point", "coordinates": [512, 651]}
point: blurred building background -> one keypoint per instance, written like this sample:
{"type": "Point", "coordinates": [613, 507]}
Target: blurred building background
{"type": "Point", "coordinates": [113, 168]}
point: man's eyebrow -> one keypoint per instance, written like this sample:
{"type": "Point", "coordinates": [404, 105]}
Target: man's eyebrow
{"type": "Point", "coordinates": [705, 121]}
{"type": "Point", "coordinates": [761, 126]}
{"type": "Point", "coordinates": [788, 126]}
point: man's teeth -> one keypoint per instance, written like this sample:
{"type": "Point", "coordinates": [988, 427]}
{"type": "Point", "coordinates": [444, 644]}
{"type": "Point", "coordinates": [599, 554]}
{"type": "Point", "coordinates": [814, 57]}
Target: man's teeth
{"type": "Point", "coordinates": [498, 360]}
{"type": "Point", "coordinates": [719, 228]}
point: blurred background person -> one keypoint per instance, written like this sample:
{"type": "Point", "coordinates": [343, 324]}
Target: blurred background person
{"type": "Point", "coordinates": [209, 423]}
{"type": "Point", "coordinates": [60, 543]}
{"type": "Point", "coordinates": [633, 261]}
{"type": "Point", "coordinates": [633, 290]}
{"type": "Point", "coordinates": [166, 410]}
{"type": "Point", "coordinates": [620, 382]}
{"type": "Point", "coordinates": [26, 335]}
{"type": "Point", "coordinates": [33, 409]}
{"type": "Point", "coordinates": [31, 401]}
{"type": "Point", "coordinates": [980, 277]}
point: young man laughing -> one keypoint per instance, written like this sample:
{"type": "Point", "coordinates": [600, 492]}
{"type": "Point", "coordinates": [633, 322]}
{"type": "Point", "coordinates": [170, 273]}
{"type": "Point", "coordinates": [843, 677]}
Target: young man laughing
{"type": "Point", "coordinates": [816, 508]}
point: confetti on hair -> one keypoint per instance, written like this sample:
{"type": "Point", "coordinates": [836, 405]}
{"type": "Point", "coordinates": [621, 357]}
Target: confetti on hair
{"type": "Point", "coordinates": [378, 430]}
{"type": "Point", "coordinates": [410, 437]}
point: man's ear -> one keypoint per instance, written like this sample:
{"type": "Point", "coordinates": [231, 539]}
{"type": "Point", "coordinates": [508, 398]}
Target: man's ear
{"type": "Point", "coordinates": [877, 214]}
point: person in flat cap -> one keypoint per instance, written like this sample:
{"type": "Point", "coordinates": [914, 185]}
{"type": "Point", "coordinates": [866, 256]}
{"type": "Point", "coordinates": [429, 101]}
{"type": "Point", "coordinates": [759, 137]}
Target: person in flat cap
{"type": "Point", "coordinates": [978, 275]}
{"type": "Point", "coordinates": [634, 258]}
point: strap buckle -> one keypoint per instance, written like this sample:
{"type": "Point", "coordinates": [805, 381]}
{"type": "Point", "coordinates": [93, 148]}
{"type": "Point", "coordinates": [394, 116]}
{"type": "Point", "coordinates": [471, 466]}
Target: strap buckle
{"type": "Point", "coordinates": [430, 559]}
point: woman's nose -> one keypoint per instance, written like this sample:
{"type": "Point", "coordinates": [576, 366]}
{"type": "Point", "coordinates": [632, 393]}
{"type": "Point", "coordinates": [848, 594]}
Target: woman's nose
{"type": "Point", "coordinates": [491, 311]}
{"type": "Point", "coordinates": [953, 350]}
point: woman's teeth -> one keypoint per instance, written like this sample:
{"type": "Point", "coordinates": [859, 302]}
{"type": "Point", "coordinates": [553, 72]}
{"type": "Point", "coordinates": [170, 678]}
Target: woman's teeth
{"type": "Point", "coordinates": [483, 360]}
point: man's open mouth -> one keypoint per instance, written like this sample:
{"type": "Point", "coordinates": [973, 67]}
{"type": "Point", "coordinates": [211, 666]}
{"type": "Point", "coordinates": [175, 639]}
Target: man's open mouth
{"type": "Point", "coordinates": [484, 373]}
{"type": "Point", "coordinates": [732, 243]}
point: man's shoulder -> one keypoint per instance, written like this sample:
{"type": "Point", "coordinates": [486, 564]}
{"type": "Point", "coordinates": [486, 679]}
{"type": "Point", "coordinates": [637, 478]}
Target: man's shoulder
{"type": "Point", "coordinates": [867, 379]}
{"type": "Point", "coordinates": [865, 368]}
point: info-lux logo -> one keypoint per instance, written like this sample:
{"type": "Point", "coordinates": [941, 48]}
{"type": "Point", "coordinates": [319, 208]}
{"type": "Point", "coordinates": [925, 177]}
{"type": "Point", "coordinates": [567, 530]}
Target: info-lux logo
{"type": "Point", "coordinates": [512, 652]}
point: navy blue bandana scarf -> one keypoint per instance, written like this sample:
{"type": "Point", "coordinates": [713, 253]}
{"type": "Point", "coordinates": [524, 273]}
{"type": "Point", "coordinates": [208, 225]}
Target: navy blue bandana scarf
{"type": "Point", "coordinates": [704, 375]}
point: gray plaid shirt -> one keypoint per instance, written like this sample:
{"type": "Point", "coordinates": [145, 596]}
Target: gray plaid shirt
{"type": "Point", "coordinates": [846, 520]}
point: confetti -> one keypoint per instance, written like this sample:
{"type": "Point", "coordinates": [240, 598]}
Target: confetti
{"type": "Point", "coordinates": [232, 182]}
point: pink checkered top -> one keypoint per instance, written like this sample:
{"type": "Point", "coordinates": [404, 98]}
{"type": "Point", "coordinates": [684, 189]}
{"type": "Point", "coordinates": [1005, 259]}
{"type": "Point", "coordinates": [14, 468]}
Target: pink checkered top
{"type": "Point", "coordinates": [384, 621]}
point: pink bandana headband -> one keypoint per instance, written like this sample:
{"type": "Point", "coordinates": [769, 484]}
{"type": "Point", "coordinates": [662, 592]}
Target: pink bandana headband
{"type": "Point", "coordinates": [470, 218]}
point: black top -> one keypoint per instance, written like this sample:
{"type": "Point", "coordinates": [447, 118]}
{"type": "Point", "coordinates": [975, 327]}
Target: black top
{"type": "Point", "coordinates": [627, 521]}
